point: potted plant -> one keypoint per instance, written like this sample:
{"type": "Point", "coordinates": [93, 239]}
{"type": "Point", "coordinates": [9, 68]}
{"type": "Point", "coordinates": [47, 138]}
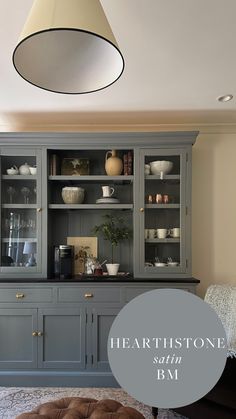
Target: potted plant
{"type": "Point", "coordinates": [114, 230]}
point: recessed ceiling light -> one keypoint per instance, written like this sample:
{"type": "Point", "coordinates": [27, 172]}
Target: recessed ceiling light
{"type": "Point", "coordinates": [225, 98]}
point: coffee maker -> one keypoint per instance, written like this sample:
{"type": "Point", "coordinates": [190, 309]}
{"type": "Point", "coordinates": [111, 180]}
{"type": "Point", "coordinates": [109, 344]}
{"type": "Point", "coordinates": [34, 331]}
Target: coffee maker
{"type": "Point", "coordinates": [63, 261]}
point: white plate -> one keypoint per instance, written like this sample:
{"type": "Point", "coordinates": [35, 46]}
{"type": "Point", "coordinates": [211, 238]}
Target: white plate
{"type": "Point", "coordinates": [107, 201]}
{"type": "Point", "coordinates": [173, 264]}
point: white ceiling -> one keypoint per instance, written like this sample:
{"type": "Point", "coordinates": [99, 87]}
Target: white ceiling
{"type": "Point", "coordinates": [180, 56]}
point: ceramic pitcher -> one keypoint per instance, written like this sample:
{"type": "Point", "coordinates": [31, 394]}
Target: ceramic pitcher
{"type": "Point", "coordinates": [113, 164]}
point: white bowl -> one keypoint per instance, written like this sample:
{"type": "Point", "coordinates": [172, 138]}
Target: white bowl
{"type": "Point", "coordinates": [72, 195]}
{"type": "Point", "coordinates": [12, 171]}
{"type": "Point", "coordinates": [160, 264]}
{"type": "Point", "coordinates": [159, 167]}
{"type": "Point", "coordinates": [33, 170]}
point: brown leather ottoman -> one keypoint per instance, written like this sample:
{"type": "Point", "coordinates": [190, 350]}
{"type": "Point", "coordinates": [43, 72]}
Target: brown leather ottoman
{"type": "Point", "coordinates": [82, 408]}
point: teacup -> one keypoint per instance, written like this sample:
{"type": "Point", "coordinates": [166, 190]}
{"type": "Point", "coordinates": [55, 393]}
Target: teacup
{"type": "Point", "coordinates": [174, 232]}
{"type": "Point", "coordinates": [152, 233]}
{"type": "Point", "coordinates": [147, 169]}
{"type": "Point", "coordinates": [33, 170]}
{"type": "Point", "coordinates": [162, 233]}
{"type": "Point", "coordinates": [146, 233]}
{"type": "Point", "coordinates": [107, 191]}
{"type": "Point", "coordinates": [172, 264]}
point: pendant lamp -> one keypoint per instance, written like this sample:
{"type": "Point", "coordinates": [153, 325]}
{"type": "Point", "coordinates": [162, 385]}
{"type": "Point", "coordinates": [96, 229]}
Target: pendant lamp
{"type": "Point", "coordinates": [67, 46]}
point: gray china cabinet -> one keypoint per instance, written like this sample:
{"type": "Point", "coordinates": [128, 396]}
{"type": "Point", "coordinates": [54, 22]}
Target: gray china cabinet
{"type": "Point", "coordinates": [164, 215]}
{"type": "Point", "coordinates": [54, 332]}
{"type": "Point", "coordinates": [21, 212]}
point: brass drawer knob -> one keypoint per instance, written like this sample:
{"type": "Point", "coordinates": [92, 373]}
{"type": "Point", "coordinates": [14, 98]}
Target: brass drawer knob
{"type": "Point", "coordinates": [19, 295]}
{"type": "Point", "coordinates": [39, 209]}
{"type": "Point", "coordinates": [40, 333]}
{"type": "Point", "coordinates": [34, 334]}
{"type": "Point", "coordinates": [88, 295]}
{"type": "Point", "coordinates": [141, 210]}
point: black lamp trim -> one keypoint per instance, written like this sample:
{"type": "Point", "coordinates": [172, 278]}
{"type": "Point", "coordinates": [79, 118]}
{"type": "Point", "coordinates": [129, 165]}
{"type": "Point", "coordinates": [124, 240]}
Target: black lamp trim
{"type": "Point", "coordinates": [67, 29]}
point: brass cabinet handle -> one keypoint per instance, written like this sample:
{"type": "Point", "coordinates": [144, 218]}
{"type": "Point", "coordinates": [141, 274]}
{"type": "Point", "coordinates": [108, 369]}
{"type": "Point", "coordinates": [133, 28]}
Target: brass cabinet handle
{"type": "Point", "coordinates": [34, 334]}
{"type": "Point", "coordinates": [19, 296]}
{"type": "Point", "coordinates": [40, 333]}
{"type": "Point", "coordinates": [141, 210]}
{"type": "Point", "coordinates": [88, 295]}
{"type": "Point", "coordinates": [39, 209]}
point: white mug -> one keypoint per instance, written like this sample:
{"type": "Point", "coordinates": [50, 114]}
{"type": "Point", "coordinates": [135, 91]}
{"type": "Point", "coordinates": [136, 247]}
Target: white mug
{"type": "Point", "coordinates": [146, 233]}
{"type": "Point", "coordinates": [107, 191]}
{"type": "Point", "coordinates": [152, 233]}
{"type": "Point", "coordinates": [162, 233]}
{"type": "Point", "coordinates": [147, 169]}
{"type": "Point", "coordinates": [175, 232]}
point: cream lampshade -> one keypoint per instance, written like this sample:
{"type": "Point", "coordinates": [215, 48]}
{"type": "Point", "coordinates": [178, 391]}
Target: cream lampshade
{"type": "Point", "coordinates": [67, 46]}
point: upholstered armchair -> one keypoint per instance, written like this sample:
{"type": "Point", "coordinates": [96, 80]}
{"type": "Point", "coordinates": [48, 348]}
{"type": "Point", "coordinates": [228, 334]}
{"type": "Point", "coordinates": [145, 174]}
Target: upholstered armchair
{"type": "Point", "coordinates": [220, 402]}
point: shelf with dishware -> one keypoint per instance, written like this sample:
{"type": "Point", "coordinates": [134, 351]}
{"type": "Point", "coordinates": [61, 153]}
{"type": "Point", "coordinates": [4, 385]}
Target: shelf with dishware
{"type": "Point", "coordinates": [84, 186]}
{"type": "Point", "coordinates": [19, 197]}
{"type": "Point", "coordinates": [164, 211]}
{"type": "Point", "coordinates": [19, 185]}
{"type": "Point", "coordinates": [162, 167]}
{"type": "Point", "coordinates": [90, 179]}
{"type": "Point", "coordinates": [20, 209]}
{"type": "Point", "coordinates": [162, 192]}
{"type": "Point", "coordinates": [90, 195]}
{"type": "Point", "coordinates": [91, 164]}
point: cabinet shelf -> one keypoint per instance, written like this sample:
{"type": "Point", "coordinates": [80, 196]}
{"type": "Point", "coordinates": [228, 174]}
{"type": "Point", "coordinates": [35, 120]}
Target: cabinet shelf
{"type": "Point", "coordinates": [19, 177]}
{"type": "Point", "coordinates": [20, 240]}
{"type": "Point", "coordinates": [93, 178]}
{"type": "Point", "coordinates": [167, 240]}
{"type": "Point", "coordinates": [19, 206]}
{"type": "Point", "coordinates": [91, 206]}
{"type": "Point", "coordinates": [162, 206]}
{"type": "Point", "coordinates": [166, 177]}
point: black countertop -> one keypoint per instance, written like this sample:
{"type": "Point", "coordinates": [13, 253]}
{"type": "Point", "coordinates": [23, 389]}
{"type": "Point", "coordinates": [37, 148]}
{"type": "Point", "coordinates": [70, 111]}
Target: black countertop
{"type": "Point", "coordinates": [104, 278]}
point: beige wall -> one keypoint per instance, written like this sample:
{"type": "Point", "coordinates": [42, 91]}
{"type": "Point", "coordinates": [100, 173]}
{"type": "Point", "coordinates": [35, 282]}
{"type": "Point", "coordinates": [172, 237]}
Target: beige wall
{"type": "Point", "coordinates": [214, 210]}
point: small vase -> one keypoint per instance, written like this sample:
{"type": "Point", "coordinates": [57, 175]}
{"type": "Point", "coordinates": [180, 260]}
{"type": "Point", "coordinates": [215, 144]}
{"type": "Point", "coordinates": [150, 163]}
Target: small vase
{"type": "Point", "coordinates": [112, 268]}
{"type": "Point", "coordinates": [72, 195]}
{"type": "Point", "coordinates": [113, 164]}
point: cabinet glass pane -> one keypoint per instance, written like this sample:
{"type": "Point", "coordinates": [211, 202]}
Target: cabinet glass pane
{"type": "Point", "coordinates": [162, 219]}
{"type": "Point", "coordinates": [18, 212]}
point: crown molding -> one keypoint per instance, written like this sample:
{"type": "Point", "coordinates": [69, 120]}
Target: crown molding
{"type": "Point", "coordinates": [214, 128]}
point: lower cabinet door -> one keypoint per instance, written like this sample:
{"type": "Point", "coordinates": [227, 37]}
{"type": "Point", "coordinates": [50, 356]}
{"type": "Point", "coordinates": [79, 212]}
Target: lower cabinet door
{"type": "Point", "coordinates": [61, 338]}
{"type": "Point", "coordinates": [102, 319]}
{"type": "Point", "coordinates": [18, 345]}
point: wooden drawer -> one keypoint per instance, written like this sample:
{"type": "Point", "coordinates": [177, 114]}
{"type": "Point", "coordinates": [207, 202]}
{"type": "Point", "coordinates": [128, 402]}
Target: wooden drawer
{"type": "Point", "coordinates": [26, 295]}
{"type": "Point", "coordinates": [89, 294]}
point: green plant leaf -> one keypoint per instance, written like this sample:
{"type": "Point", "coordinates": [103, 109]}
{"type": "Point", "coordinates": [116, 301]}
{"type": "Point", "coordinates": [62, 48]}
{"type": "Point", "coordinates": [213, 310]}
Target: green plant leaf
{"type": "Point", "coordinates": [113, 230]}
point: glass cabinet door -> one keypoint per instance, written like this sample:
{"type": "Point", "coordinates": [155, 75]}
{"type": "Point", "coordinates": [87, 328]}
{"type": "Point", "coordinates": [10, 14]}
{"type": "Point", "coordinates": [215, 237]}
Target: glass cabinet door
{"type": "Point", "coordinates": [163, 212]}
{"type": "Point", "coordinates": [20, 212]}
